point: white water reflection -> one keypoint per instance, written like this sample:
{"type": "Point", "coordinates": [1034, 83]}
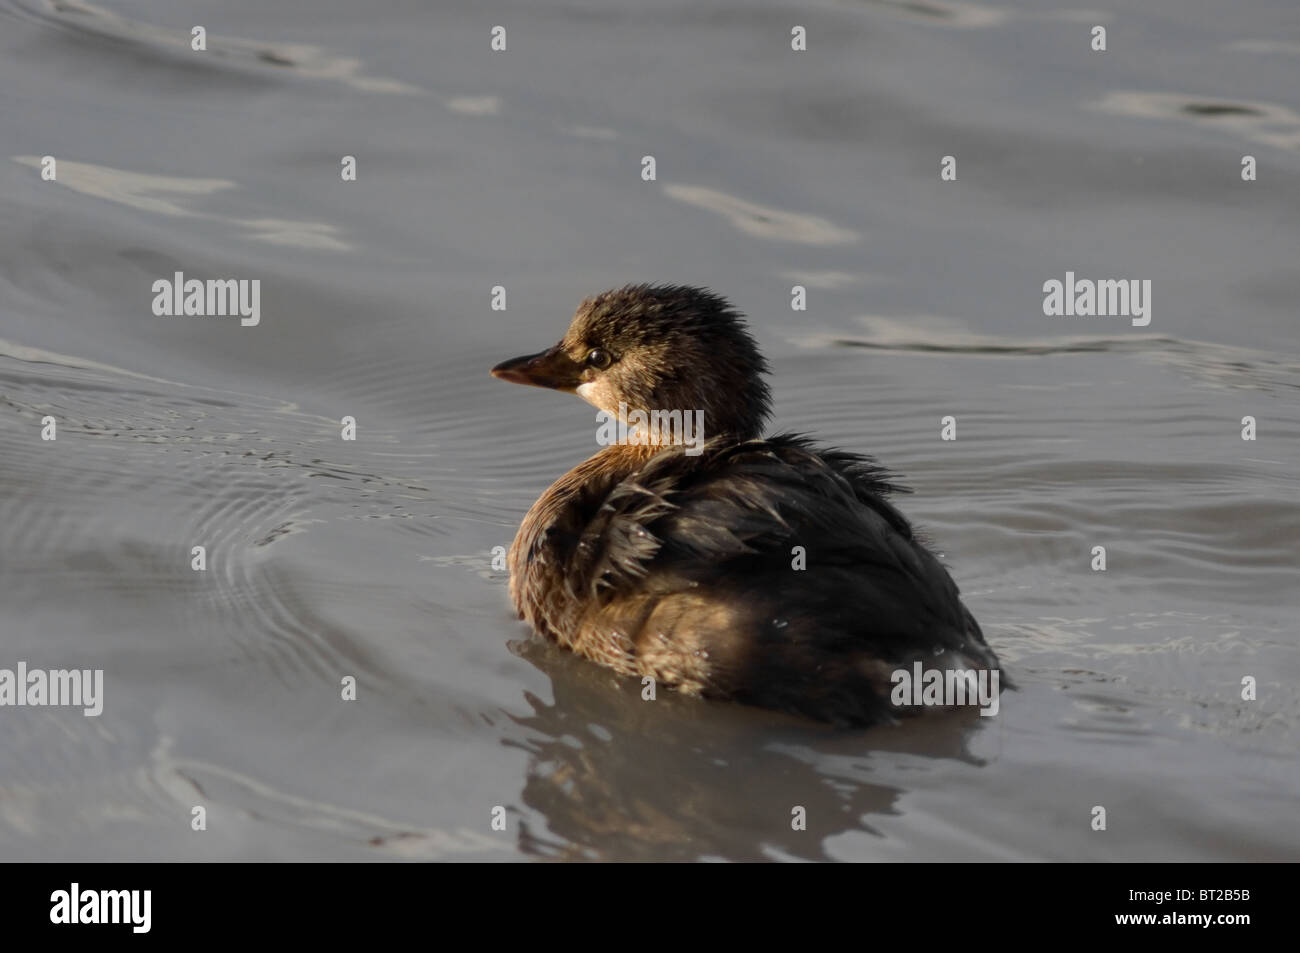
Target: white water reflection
{"type": "Point", "coordinates": [762, 221]}
{"type": "Point", "coordinates": [167, 195]}
{"type": "Point", "coordinates": [1265, 123]}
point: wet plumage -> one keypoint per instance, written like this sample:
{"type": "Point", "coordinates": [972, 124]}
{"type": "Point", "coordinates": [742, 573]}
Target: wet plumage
{"type": "Point", "coordinates": [686, 568]}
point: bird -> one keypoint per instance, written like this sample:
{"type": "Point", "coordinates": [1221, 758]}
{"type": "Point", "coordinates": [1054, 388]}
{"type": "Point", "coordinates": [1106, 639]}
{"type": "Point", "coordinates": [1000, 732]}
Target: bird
{"type": "Point", "coordinates": [766, 571]}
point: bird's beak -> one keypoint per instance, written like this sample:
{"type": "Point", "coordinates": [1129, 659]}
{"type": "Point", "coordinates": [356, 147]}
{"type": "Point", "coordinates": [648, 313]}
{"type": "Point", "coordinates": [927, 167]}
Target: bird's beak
{"type": "Point", "coordinates": [553, 369]}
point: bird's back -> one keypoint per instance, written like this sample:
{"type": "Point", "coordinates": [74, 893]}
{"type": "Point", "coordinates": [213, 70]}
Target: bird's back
{"type": "Point", "coordinates": [766, 571]}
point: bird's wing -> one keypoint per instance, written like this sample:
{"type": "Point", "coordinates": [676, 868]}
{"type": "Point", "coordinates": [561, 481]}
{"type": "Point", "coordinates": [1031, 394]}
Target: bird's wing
{"type": "Point", "coordinates": [734, 517]}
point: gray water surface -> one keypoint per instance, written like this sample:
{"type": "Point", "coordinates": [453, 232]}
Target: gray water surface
{"type": "Point", "coordinates": [373, 558]}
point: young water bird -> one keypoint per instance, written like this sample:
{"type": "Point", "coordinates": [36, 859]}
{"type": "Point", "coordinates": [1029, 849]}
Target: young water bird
{"type": "Point", "coordinates": [685, 568]}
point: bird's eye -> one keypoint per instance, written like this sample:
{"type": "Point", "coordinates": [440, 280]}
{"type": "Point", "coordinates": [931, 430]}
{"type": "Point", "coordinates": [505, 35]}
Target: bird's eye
{"type": "Point", "coordinates": [599, 359]}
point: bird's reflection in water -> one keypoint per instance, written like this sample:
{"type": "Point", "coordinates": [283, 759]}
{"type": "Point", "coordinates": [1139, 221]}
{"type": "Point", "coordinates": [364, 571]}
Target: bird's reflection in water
{"type": "Point", "coordinates": [617, 777]}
